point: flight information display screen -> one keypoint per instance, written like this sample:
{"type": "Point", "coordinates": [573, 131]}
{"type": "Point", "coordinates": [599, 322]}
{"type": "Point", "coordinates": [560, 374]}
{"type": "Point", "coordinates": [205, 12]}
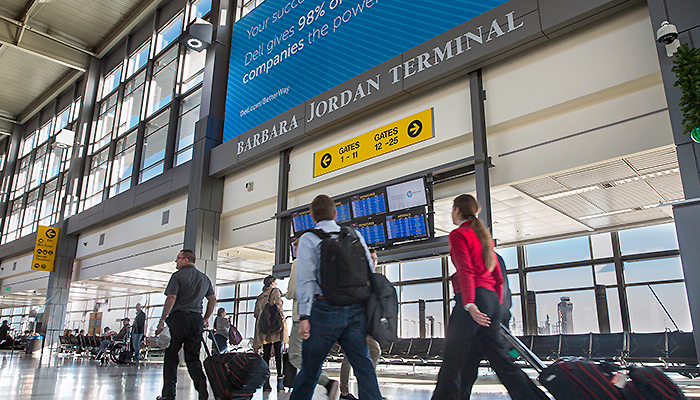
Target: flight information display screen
{"type": "Point", "coordinates": [373, 231]}
{"type": "Point", "coordinates": [302, 221]}
{"type": "Point", "coordinates": [368, 204]}
{"type": "Point", "coordinates": [342, 209]}
{"type": "Point", "coordinates": [406, 195]}
{"type": "Point", "coordinates": [406, 225]}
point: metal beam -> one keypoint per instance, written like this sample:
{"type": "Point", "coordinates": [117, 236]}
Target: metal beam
{"type": "Point", "coordinates": [49, 95]}
{"type": "Point", "coordinates": [33, 4]}
{"type": "Point", "coordinates": [9, 21]}
{"type": "Point", "coordinates": [129, 23]}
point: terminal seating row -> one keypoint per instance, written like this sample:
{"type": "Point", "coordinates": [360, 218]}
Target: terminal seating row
{"type": "Point", "coordinates": [71, 344]}
{"type": "Point", "coordinates": [675, 351]}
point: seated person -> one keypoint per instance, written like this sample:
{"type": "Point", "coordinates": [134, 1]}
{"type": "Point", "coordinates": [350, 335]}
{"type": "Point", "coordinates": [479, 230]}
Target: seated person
{"type": "Point", "coordinates": [119, 336]}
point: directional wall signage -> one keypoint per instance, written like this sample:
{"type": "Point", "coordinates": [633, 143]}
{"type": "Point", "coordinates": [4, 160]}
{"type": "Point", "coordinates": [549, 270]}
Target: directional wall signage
{"type": "Point", "coordinates": [45, 248]}
{"type": "Point", "coordinates": [405, 132]}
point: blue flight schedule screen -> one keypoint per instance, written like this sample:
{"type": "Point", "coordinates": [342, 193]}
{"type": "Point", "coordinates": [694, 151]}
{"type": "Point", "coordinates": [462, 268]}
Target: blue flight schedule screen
{"type": "Point", "coordinates": [343, 212]}
{"type": "Point", "coordinates": [406, 225]}
{"type": "Point", "coordinates": [368, 204]}
{"type": "Point", "coordinates": [372, 232]}
{"type": "Point", "coordinates": [302, 221]}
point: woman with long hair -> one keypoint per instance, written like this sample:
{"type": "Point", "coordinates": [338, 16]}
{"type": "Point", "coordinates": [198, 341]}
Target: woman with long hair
{"type": "Point", "coordinates": [221, 328]}
{"type": "Point", "coordinates": [478, 287]}
{"type": "Point", "coordinates": [270, 295]}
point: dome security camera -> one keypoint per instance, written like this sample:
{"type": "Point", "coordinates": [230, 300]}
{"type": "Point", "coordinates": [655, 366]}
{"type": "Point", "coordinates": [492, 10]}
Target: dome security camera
{"type": "Point", "coordinates": [667, 33]}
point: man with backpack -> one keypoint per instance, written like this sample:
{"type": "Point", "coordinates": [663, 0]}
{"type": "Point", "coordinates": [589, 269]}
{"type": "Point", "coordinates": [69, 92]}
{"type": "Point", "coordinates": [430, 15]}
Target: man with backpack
{"type": "Point", "coordinates": [333, 273]}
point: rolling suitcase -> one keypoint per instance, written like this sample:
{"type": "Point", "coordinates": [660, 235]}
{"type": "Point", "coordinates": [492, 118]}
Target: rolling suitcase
{"type": "Point", "coordinates": [570, 379]}
{"type": "Point", "coordinates": [289, 371]}
{"type": "Point", "coordinates": [234, 375]}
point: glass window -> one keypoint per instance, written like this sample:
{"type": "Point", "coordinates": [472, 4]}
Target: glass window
{"type": "Point", "coordinates": [62, 119]}
{"type": "Point", "coordinates": [647, 315]}
{"type": "Point", "coordinates": [131, 104]}
{"type": "Point", "coordinates": [20, 181]}
{"type": "Point", "coordinates": [76, 108]}
{"type": "Point", "coordinates": [409, 321]}
{"type": "Point", "coordinates": [560, 279]}
{"type": "Point", "coordinates": [391, 271]}
{"type": "Point", "coordinates": [584, 315]}
{"type": "Point", "coordinates": [246, 325]}
{"type": "Point", "coordinates": [111, 81]}
{"type": "Point", "coordinates": [614, 310]}
{"type": "Point", "coordinates": [123, 166]}
{"type": "Point", "coordinates": [200, 8]}
{"type": "Point", "coordinates": [44, 132]}
{"type": "Point", "coordinates": [27, 144]}
{"type": "Point", "coordinates": [514, 283]}
{"type": "Point", "coordinates": [169, 33]}
{"type": "Point", "coordinates": [29, 222]}
{"type": "Point", "coordinates": [435, 319]}
{"type": "Point", "coordinates": [95, 182]}
{"type": "Point", "coordinates": [162, 84]}
{"type": "Point", "coordinates": [653, 270]}
{"type": "Point", "coordinates": [558, 251]}
{"type": "Point", "coordinates": [510, 256]}
{"type": "Point", "coordinates": [138, 59]}
{"type": "Point", "coordinates": [226, 292]}
{"type": "Point", "coordinates": [38, 167]}
{"type": "Point", "coordinates": [648, 239]}
{"type": "Point", "coordinates": [602, 245]}
{"type": "Point", "coordinates": [605, 274]}
{"type": "Point", "coordinates": [516, 320]}
{"type": "Point", "coordinates": [193, 70]}
{"type": "Point", "coordinates": [48, 204]}
{"type": "Point", "coordinates": [54, 161]}
{"type": "Point", "coordinates": [154, 146]}
{"type": "Point", "coordinates": [189, 115]}
{"type": "Point", "coordinates": [427, 291]}
{"type": "Point", "coordinates": [105, 123]}
{"type": "Point", "coordinates": [12, 223]}
{"type": "Point", "coordinates": [421, 269]}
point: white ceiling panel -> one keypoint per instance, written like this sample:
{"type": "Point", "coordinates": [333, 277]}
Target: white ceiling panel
{"type": "Point", "coordinates": [650, 214]}
{"type": "Point", "coordinates": [574, 206]}
{"type": "Point", "coordinates": [12, 8]}
{"type": "Point", "coordinates": [627, 195]}
{"type": "Point", "coordinates": [669, 186]}
{"type": "Point", "coordinates": [594, 175]}
{"type": "Point", "coordinates": [654, 161]}
{"type": "Point", "coordinates": [602, 222]}
{"type": "Point", "coordinates": [541, 187]}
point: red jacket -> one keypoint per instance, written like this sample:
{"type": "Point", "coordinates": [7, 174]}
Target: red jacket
{"type": "Point", "coordinates": [465, 250]}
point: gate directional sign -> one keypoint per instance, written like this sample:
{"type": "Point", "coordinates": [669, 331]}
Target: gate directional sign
{"type": "Point", "coordinates": [45, 248]}
{"type": "Point", "coordinates": [405, 132]}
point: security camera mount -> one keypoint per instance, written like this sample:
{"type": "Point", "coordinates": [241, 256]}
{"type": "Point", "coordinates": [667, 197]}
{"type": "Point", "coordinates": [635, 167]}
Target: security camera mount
{"type": "Point", "coordinates": [667, 35]}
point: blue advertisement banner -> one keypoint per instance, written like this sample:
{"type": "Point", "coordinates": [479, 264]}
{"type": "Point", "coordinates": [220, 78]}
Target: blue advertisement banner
{"type": "Point", "coordinates": [287, 51]}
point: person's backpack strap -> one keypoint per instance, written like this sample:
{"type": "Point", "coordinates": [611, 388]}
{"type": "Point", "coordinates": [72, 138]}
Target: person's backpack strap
{"type": "Point", "coordinates": [320, 233]}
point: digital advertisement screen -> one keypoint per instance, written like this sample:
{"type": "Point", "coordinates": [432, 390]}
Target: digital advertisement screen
{"type": "Point", "coordinates": [406, 195]}
{"type": "Point", "coordinates": [372, 231]}
{"type": "Point", "coordinates": [368, 204]}
{"type": "Point", "coordinates": [406, 225]}
{"type": "Point", "coordinates": [285, 52]}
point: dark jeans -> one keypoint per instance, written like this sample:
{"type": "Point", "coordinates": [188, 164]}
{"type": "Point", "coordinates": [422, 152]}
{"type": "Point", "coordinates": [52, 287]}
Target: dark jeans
{"type": "Point", "coordinates": [136, 345]}
{"type": "Point", "coordinates": [267, 349]}
{"type": "Point", "coordinates": [185, 329]}
{"type": "Point", "coordinates": [466, 341]}
{"type": "Point", "coordinates": [330, 324]}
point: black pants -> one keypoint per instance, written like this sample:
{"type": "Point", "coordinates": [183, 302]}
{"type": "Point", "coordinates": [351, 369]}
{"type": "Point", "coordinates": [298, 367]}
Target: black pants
{"type": "Point", "coordinates": [466, 341]}
{"type": "Point", "coordinates": [185, 329]}
{"type": "Point", "coordinates": [267, 349]}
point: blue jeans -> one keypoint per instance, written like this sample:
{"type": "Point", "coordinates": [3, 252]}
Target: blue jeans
{"type": "Point", "coordinates": [330, 324]}
{"type": "Point", "coordinates": [136, 345]}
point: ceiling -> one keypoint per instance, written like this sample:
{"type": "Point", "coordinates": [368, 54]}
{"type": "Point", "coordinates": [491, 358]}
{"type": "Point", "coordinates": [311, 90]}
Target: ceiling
{"type": "Point", "coordinates": [46, 45]}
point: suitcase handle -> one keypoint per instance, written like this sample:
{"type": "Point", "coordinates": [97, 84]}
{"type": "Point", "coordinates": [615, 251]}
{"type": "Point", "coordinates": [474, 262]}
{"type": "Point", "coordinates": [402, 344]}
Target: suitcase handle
{"type": "Point", "coordinates": [204, 342]}
{"type": "Point", "coordinates": [526, 353]}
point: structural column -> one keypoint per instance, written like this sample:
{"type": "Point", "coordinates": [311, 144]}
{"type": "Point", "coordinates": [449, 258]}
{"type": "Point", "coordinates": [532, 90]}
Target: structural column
{"type": "Point", "coordinates": [205, 196]}
{"type": "Point", "coordinates": [481, 157]}
{"type": "Point", "coordinates": [686, 214]}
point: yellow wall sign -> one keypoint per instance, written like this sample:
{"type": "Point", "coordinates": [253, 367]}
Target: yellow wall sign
{"type": "Point", "coordinates": [405, 132]}
{"type": "Point", "coordinates": [45, 249]}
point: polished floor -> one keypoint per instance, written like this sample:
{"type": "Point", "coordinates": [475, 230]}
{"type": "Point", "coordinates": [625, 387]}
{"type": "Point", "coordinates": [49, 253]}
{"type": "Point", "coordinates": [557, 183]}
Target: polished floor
{"type": "Point", "coordinates": [39, 377]}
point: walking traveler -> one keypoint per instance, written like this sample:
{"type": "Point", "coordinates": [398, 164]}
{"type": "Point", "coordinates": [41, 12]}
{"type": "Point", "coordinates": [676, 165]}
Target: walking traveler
{"type": "Point", "coordinates": [137, 332]}
{"type": "Point", "coordinates": [270, 327]}
{"type": "Point", "coordinates": [221, 327]}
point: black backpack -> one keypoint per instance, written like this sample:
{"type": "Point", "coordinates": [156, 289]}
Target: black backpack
{"type": "Point", "coordinates": [344, 268]}
{"type": "Point", "coordinates": [271, 321]}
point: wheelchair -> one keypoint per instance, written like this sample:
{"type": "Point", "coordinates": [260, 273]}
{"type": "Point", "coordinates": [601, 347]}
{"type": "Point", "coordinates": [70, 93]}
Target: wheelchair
{"type": "Point", "coordinates": [118, 351]}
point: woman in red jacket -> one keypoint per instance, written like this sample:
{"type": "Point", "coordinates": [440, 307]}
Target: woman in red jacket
{"type": "Point", "coordinates": [477, 286]}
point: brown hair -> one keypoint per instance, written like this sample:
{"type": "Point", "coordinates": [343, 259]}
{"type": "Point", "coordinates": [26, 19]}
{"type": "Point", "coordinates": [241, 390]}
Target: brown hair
{"type": "Point", "coordinates": [189, 255]}
{"type": "Point", "coordinates": [468, 207]}
{"type": "Point", "coordinates": [322, 208]}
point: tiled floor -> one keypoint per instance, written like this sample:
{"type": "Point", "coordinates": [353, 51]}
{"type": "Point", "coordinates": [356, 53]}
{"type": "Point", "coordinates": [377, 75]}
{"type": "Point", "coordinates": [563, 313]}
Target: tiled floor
{"type": "Point", "coordinates": [38, 377]}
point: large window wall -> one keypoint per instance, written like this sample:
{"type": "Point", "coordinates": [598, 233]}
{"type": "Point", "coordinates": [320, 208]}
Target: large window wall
{"type": "Point", "coordinates": [154, 80]}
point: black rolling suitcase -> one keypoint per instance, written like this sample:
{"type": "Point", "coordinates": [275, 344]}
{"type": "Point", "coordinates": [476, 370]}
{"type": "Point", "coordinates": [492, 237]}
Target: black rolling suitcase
{"type": "Point", "coordinates": [571, 379]}
{"type": "Point", "coordinates": [290, 372]}
{"type": "Point", "coordinates": [234, 375]}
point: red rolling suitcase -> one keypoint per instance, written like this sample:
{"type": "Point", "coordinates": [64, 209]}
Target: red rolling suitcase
{"type": "Point", "coordinates": [570, 379]}
{"type": "Point", "coordinates": [234, 375]}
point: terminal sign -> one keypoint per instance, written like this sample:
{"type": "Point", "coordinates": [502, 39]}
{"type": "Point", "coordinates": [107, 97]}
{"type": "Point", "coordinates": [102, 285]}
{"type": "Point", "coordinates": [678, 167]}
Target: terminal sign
{"type": "Point", "coordinates": [413, 129]}
{"type": "Point", "coordinates": [45, 248]}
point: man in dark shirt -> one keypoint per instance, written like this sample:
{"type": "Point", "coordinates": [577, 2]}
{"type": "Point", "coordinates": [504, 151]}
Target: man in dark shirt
{"type": "Point", "coordinates": [137, 331]}
{"type": "Point", "coordinates": [183, 313]}
{"type": "Point", "coordinates": [5, 333]}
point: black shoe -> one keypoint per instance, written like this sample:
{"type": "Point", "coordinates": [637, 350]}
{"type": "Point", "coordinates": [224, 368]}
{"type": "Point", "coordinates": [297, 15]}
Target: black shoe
{"type": "Point", "coordinates": [164, 398]}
